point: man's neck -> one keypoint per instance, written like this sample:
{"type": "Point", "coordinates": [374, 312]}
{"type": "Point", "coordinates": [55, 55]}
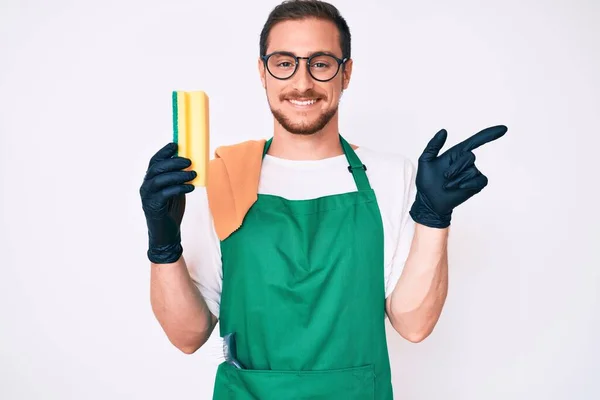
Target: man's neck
{"type": "Point", "coordinates": [319, 145]}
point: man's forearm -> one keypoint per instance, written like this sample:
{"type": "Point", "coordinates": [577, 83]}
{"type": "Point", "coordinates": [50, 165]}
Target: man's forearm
{"type": "Point", "coordinates": [416, 303]}
{"type": "Point", "coordinates": [179, 307]}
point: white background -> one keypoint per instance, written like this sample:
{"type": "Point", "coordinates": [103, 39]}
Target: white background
{"type": "Point", "coordinates": [85, 101]}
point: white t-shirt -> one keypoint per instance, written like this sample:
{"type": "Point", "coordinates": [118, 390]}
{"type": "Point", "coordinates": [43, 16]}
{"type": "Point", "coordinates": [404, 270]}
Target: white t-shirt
{"type": "Point", "coordinates": [392, 177]}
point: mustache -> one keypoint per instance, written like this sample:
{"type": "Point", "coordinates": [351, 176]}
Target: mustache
{"type": "Point", "coordinates": [296, 95]}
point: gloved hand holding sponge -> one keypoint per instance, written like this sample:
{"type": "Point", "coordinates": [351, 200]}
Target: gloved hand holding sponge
{"type": "Point", "coordinates": [175, 170]}
{"type": "Point", "coordinates": [443, 181]}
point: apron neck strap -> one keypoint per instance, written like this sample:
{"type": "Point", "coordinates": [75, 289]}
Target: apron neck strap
{"type": "Point", "coordinates": [356, 167]}
{"type": "Point", "coordinates": [266, 148]}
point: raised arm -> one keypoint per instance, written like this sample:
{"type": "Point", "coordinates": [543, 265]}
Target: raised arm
{"type": "Point", "coordinates": [176, 301]}
{"type": "Point", "coordinates": [442, 183]}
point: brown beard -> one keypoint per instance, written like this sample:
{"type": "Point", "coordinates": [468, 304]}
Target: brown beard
{"type": "Point", "coordinates": [304, 129]}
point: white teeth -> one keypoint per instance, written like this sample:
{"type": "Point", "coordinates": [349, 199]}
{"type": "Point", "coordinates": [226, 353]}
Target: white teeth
{"type": "Point", "coordinates": [303, 103]}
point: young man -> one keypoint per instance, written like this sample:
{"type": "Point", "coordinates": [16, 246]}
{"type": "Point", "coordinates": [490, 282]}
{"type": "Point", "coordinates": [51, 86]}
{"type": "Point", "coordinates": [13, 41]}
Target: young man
{"type": "Point", "coordinates": [309, 242]}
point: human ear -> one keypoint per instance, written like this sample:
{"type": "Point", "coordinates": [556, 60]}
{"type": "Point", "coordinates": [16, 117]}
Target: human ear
{"type": "Point", "coordinates": [347, 72]}
{"type": "Point", "coordinates": [261, 72]}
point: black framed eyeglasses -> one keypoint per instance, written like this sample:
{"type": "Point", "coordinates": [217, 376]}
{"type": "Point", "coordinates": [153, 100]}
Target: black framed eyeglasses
{"type": "Point", "coordinates": [321, 66]}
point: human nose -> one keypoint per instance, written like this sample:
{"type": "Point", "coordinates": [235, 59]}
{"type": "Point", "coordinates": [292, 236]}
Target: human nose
{"type": "Point", "coordinates": [302, 80]}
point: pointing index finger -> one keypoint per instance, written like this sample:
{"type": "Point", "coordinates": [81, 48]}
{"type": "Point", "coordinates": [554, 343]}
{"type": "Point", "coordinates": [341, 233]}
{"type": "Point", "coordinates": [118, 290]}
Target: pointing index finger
{"type": "Point", "coordinates": [482, 137]}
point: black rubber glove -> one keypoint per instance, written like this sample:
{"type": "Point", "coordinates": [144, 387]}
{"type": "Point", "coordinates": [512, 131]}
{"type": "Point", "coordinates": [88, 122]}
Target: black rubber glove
{"type": "Point", "coordinates": [446, 181]}
{"type": "Point", "coordinates": [163, 201]}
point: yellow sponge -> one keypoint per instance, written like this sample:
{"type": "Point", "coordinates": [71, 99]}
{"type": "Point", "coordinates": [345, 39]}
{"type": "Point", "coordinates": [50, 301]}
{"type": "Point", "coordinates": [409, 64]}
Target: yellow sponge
{"type": "Point", "coordinates": [191, 131]}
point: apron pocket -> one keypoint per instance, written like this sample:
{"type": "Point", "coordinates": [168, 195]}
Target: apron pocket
{"type": "Point", "coordinates": [356, 383]}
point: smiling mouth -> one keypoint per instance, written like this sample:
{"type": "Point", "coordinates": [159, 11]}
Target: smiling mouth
{"type": "Point", "coordinates": [303, 103]}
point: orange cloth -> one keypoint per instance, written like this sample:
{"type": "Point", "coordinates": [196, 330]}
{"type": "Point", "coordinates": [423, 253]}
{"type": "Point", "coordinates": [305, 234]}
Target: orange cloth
{"type": "Point", "coordinates": [232, 185]}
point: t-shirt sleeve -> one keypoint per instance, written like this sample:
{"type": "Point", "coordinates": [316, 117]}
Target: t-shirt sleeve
{"type": "Point", "coordinates": [406, 197]}
{"type": "Point", "coordinates": [201, 248]}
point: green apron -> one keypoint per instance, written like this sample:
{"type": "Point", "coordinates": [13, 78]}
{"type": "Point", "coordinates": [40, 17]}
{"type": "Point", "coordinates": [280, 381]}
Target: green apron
{"type": "Point", "coordinates": [303, 291]}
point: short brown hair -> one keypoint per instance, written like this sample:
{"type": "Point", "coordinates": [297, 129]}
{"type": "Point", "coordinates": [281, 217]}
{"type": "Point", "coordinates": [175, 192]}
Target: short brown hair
{"type": "Point", "coordinates": [301, 9]}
